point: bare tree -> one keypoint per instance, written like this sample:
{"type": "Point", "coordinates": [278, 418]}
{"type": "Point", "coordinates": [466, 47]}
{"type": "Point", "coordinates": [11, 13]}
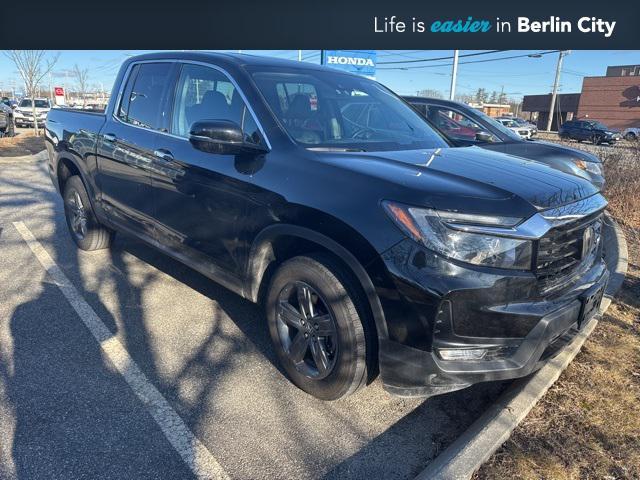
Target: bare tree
{"type": "Point", "coordinates": [82, 79]}
{"type": "Point", "coordinates": [430, 93]}
{"type": "Point", "coordinates": [33, 66]}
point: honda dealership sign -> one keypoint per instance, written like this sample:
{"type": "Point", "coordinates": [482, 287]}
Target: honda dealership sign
{"type": "Point", "coordinates": [362, 62]}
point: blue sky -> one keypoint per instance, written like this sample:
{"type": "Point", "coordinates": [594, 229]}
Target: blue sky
{"type": "Point", "coordinates": [520, 76]}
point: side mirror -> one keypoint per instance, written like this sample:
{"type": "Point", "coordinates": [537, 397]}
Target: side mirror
{"type": "Point", "coordinates": [223, 137]}
{"type": "Point", "coordinates": [484, 137]}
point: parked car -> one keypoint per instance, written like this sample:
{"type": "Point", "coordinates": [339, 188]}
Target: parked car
{"type": "Point", "coordinates": [631, 134]}
{"type": "Point", "coordinates": [372, 244]}
{"type": "Point", "coordinates": [24, 112]}
{"type": "Point", "coordinates": [590, 130]}
{"type": "Point", "coordinates": [522, 130]}
{"type": "Point", "coordinates": [6, 120]}
{"type": "Point", "coordinates": [521, 122]}
{"type": "Point", "coordinates": [493, 135]}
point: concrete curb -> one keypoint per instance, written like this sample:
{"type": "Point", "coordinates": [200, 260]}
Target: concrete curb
{"type": "Point", "coordinates": [38, 157]}
{"type": "Point", "coordinates": [474, 447]}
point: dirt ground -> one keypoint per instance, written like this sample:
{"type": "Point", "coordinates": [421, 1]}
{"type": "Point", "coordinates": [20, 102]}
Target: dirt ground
{"type": "Point", "coordinates": [587, 426]}
{"type": "Point", "coordinates": [22, 144]}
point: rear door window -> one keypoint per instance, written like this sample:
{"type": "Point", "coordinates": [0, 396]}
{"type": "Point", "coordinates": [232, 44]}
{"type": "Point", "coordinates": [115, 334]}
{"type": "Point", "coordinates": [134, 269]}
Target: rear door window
{"type": "Point", "coordinates": [143, 101]}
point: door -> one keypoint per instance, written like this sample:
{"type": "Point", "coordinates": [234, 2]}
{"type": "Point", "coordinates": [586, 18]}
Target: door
{"type": "Point", "coordinates": [201, 198]}
{"type": "Point", "coordinates": [586, 131]}
{"type": "Point", "coordinates": [126, 147]}
{"type": "Point", "coordinates": [579, 131]}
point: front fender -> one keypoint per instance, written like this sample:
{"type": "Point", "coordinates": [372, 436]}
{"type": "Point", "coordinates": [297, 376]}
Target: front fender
{"type": "Point", "coordinates": [261, 255]}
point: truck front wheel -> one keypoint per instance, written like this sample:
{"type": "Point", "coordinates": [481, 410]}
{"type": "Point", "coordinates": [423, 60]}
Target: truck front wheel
{"type": "Point", "coordinates": [315, 327]}
{"type": "Point", "coordinates": [87, 233]}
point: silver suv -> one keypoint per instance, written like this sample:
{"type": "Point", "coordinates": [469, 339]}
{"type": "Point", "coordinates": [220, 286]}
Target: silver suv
{"type": "Point", "coordinates": [24, 113]}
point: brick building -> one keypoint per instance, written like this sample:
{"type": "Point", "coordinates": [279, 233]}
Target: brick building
{"type": "Point", "coordinates": [537, 109]}
{"type": "Point", "coordinates": [613, 99]}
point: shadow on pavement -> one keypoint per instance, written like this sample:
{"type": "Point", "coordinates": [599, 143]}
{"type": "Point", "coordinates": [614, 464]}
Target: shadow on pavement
{"type": "Point", "coordinates": [76, 418]}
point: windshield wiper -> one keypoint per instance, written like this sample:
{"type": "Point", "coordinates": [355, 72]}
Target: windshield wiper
{"type": "Point", "coordinates": [335, 149]}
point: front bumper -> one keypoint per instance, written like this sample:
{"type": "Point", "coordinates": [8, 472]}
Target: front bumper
{"type": "Point", "coordinates": [520, 334]}
{"type": "Point", "coordinates": [25, 120]}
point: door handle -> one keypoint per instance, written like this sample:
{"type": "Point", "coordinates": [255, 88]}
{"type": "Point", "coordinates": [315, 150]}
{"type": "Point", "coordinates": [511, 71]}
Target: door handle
{"type": "Point", "coordinates": [109, 137]}
{"type": "Point", "coordinates": [163, 154]}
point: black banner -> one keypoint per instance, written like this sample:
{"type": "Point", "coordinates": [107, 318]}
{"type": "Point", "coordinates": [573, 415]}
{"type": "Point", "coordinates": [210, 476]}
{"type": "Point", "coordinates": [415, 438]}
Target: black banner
{"type": "Point", "coordinates": [286, 24]}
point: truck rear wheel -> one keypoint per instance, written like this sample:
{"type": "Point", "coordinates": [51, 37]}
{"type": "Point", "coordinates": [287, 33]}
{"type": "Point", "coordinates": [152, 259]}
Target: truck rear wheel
{"type": "Point", "coordinates": [315, 327]}
{"type": "Point", "coordinates": [87, 233]}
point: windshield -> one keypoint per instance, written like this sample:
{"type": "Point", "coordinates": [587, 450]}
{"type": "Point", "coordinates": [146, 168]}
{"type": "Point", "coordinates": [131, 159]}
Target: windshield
{"type": "Point", "coordinates": [331, 110]}
{"type": "Point", "coordinates": [39, 103]}
{"type": "Point", "coordinates": [599, 126]}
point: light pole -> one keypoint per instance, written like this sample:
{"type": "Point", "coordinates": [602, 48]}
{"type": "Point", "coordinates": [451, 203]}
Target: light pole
{"type": "Point", "coordinates": [454, 74]}
{"type": "Point", "coordinates": [556, 83]}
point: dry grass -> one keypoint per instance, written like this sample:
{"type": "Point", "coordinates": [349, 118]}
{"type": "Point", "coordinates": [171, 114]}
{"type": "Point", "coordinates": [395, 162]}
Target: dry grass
{"type": "Point", "coordinates": [22, 144]}
{"type": "Point", "coordinates": [588, 424]}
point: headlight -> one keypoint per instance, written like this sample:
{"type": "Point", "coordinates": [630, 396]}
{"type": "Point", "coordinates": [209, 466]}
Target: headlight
{"type": "Point", "coordinates": [443, 232]}
{"type": "Point", "coordinates": [595, 168]}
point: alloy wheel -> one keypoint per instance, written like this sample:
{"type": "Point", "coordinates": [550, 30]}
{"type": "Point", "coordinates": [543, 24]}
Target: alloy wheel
{"type": "Point", "coordinates": [307, 330]}
{"type": "Point", "coordinates": [77, 215]}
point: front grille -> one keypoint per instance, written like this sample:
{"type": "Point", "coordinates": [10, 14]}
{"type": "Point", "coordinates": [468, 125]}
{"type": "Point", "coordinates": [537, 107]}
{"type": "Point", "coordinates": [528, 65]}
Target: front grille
{"type": "Point", "coordinates": [562, 254]}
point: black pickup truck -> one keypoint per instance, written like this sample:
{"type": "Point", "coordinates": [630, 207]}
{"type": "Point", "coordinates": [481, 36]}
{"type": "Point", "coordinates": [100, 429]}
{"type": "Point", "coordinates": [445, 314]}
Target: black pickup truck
{"type": "Point", "coordinates": [374, 246]}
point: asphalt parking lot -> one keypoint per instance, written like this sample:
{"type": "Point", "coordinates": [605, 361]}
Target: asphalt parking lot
{"type": "Point", "coordinates": [192, 388]}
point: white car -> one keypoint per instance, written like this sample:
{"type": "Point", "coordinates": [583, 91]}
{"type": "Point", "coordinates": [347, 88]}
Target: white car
{"type": "Point", "coordinates": [524, 131]}
{"type": "Point", "coordinates": [23, 114]}
{"type": "Point", "coordinates": [632, 133]}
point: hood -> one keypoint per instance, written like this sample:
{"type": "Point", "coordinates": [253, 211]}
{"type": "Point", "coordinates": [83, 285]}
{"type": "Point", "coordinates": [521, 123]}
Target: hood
{"type": "Point", "coordinates": [468, 178]}
{"type": "Point", "coordinates": [537, 149]}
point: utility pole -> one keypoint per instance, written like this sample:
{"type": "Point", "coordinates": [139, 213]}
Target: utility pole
{"type": "Point", "coordinates": [299, 55]}
{"type": "Point", "coordinates": [454, 74]}
{"type": "Point", "coordinates": [556, 83]}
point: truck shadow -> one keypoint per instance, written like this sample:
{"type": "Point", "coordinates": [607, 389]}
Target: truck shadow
{"type": "Point", "coordinates": [227, 387]}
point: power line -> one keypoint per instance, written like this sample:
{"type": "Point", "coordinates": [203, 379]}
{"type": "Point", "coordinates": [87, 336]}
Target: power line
{"type": "Point", "coordinates": [404, 54]}
{"type": "Point", "coordinates": [533, 55]}
{"type": "Point", "coordinates": [419, 60]}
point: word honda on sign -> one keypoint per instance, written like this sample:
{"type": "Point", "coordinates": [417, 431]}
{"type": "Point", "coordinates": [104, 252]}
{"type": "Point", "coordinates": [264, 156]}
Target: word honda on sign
{"type": "Point", "coordinates": [362, 62]}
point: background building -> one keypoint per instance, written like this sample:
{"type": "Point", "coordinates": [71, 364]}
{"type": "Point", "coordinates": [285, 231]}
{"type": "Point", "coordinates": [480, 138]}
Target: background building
{"type": "Point", "coordinates": [613, 99]}
{"type": "Point", "coordinates": [493, 109]}
{"type": "Point", "coordinates": [537, 109]}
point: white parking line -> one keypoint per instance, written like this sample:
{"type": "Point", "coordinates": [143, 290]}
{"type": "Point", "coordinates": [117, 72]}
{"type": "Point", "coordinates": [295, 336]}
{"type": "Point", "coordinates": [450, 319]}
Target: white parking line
{"type": "Point", "coordinates": [192, 451]}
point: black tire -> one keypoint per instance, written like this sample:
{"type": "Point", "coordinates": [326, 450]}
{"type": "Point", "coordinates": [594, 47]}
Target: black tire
{"type": "Point", "coordinates": [87, 233]}
{"type": "Point", "coordinates": [596, 139]}
{"type": "Point", "coordinates": [345, 351]}
{"type": "Point", "coordinates": [630, 137]}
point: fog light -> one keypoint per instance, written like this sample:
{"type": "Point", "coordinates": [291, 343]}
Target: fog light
{"type": "Point", "coordinates": [462, 353]}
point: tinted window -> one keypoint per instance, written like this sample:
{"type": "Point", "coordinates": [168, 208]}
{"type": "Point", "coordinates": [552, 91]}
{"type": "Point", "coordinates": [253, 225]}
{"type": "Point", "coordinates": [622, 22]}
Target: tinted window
{"type": "Point", "coordinates": [204, 94]}
{"type": "Point", "coordinates": [126, 94]}
{"type": "Point", "coordinates": [142, 104]}
{"type": "Point", "coordinates": [456, 125]}
{"type": "Point", "coordinates": [421, 107]}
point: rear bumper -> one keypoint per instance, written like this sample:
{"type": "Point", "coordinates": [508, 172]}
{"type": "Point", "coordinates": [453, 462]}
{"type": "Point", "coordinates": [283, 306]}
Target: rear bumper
{"type": "Point", "coordinates": [519, 336]}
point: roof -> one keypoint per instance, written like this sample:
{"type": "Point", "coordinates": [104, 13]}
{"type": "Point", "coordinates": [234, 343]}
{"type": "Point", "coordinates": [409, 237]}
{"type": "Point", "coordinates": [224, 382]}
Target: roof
{"type": "Point", "coordinates": [237, 59]}
{"type": "Point", "coordinates": [441, 101]}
